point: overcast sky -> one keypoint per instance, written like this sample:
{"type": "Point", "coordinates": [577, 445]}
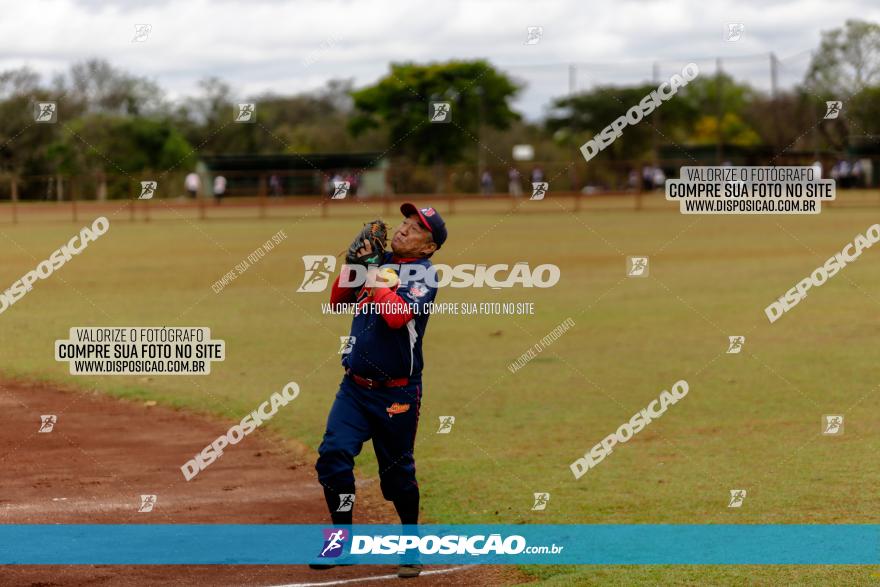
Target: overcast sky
{"type": "Point", "coordinates": [295, 46]}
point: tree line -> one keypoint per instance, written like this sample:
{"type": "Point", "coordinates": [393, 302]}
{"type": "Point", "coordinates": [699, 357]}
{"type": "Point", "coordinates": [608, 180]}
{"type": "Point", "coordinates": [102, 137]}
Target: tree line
{"type": "Point", "coordinates": [116, 125]}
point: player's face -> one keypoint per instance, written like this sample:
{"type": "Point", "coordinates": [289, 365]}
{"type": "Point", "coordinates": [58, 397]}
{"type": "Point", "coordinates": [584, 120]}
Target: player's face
{"type": "Point", "coordinates": [412, 239]}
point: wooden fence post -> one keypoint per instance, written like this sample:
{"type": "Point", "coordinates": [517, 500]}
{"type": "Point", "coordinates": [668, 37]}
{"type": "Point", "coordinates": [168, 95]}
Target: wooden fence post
{"type": "Point", "coordinates": [262, 195]}
{"type": "Point", "coordinates": [14, 188]}
{"type": "Point", "coordinates": [146, 209]}
{"type": "Point", "coordinates": [74, 192]}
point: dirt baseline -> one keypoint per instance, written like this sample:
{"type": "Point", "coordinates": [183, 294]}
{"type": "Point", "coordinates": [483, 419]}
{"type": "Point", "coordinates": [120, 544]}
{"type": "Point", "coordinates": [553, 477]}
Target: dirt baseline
{"type": "Point", "coordinates": [103, 454]}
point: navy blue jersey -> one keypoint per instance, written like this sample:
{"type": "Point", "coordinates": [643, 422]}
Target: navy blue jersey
{"type": "Point", "coordinates": [388, 345]}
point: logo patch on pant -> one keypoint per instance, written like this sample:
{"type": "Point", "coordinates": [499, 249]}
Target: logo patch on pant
{"type": "Point", "coordinates": [397, 408]}
{"type": "Point", "coordinates": [346, 502]}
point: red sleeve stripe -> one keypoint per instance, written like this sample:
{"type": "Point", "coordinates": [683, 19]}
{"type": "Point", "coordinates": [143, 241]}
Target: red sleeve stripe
{"type": "Point", "coordinates": [398, 311]}
{"type": "Point", "coordinates": [339, 294]}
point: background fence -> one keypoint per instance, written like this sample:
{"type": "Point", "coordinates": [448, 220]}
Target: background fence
{"type": "Point", "coordinates": [318, 207]}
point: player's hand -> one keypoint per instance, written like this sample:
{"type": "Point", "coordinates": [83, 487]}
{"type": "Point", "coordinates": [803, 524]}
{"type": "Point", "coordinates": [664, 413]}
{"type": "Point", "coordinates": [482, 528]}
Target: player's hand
{"type": "Point", "coordinates": [366, 249]}
{"type": "Point", "coordinates": [387, 277]}
{"type": "Point", "coordinates": [384, 277]}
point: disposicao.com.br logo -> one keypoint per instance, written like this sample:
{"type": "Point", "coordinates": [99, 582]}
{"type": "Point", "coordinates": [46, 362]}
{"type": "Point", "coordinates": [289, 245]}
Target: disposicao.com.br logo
{"type": "Point", "coordinates": [334, 542]}
{"type": "Point", "coordinates": [429, 544]}
{"type": "Point", "coordinates": [497, 276]}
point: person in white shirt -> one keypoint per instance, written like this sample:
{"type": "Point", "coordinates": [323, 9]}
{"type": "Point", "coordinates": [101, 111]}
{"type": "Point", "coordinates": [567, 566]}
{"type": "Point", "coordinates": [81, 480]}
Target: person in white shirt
{"type": "Point", "coordinates": [192, 183]}
{"type": "Point", "coordinates": [659, 178]}
{"type": "Point", "coordinates": [219, 187]}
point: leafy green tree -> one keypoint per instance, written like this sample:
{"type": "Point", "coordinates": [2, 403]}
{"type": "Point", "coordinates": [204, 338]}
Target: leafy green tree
{"type": "Point", "coordinates": [733, 131]}
{"type": "Point", "coordinates": [780, 121]}
{"type": "Point", "coordinates": [23, 144]}
{"type": "Point", "coordinates": [311, 122]}
{"type": "Point", "coordinates": [399, 104]}
{"type": "Point", "coordinates": [846, 67]}
{"type": "Point", "coordinates": [95, 86]}
{"type": "Point", "coordinates": [115, 152]}
{"type": "Point", "coordinates": [848, 59]}
{"type": "Point", "coordinates": [689, 117]}
{"type": "Point", "coordinates": [865, 108]}
{"type": "Point", "coordinates": [575, 119]}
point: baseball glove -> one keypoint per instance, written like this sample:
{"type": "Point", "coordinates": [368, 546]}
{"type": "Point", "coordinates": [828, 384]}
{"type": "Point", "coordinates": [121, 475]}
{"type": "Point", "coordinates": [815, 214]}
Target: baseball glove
{"type": "Point", "coordinates": [375, 233]}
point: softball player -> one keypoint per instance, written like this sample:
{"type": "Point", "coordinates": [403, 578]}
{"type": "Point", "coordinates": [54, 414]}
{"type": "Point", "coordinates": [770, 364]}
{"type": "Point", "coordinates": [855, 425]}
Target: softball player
{"type": "Point", "coordinates": [381, 392]}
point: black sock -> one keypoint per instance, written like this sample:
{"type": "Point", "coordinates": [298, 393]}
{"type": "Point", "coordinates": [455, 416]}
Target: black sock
{"type": "Point", "coordinates": [407, 506]}
{"type": "Point", "coordinates": [333, 500]}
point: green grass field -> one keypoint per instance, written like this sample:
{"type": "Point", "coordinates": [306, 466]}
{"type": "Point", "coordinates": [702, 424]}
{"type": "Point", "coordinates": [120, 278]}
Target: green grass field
{"type": "Point", "coordinates": [751, 421]}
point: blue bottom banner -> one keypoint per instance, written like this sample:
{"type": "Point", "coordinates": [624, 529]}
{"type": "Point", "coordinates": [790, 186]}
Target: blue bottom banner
{"type": "Point", "coordinates": [613, 544]}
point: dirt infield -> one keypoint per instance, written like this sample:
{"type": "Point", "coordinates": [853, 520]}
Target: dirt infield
{"type": "Point", "coordinates": [103, 454]}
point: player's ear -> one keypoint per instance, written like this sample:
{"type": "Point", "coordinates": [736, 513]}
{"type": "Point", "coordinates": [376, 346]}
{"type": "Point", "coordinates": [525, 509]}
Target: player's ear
{"type": "Point", "coordinates": [429, 248]}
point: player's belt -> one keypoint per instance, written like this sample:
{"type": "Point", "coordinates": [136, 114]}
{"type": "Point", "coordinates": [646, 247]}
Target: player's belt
{"type": "Point", "coordinates": [375, 383]}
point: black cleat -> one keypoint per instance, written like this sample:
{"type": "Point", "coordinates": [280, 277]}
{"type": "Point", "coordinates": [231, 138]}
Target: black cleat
{"type": "Point", "coordinates": [409, 571]}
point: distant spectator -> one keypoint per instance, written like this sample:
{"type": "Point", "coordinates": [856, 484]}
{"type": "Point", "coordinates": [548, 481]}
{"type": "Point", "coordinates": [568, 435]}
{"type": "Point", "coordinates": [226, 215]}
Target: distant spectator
{"type": "Point", "coordinates": [219, 187]}
{"type": "Point", "coordinates": [647, 178]}
{"type": "Point", "coordinates": [514, 186]}
{"type": "Point", "coordinates": [817, 169]}
{"type": "Point", "coordinates": [659, 178]}
{"type": "Point", "coordinates": [486, 184]}
{"type": "Point", "coordinates": [632, 180]}
{"type": "Point", "coordinates": [857, 175]}
{"type": "Point", "coordinates": [275, 186]}
{"type": "Point", "coordinates": [353, 183]}
{"type": "Point", "coordinates": [334, 181]}
{"type": "Point", "coordinates": [537, 174]}
{"type": "Point", "coordinates": [192, 183]}
{"type": "Point", "coordinates": [845, 172]}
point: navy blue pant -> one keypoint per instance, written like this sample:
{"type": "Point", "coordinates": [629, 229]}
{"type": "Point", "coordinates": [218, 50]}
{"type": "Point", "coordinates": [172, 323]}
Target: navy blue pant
{"type": "Point", "coordinates": [389, 416]}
